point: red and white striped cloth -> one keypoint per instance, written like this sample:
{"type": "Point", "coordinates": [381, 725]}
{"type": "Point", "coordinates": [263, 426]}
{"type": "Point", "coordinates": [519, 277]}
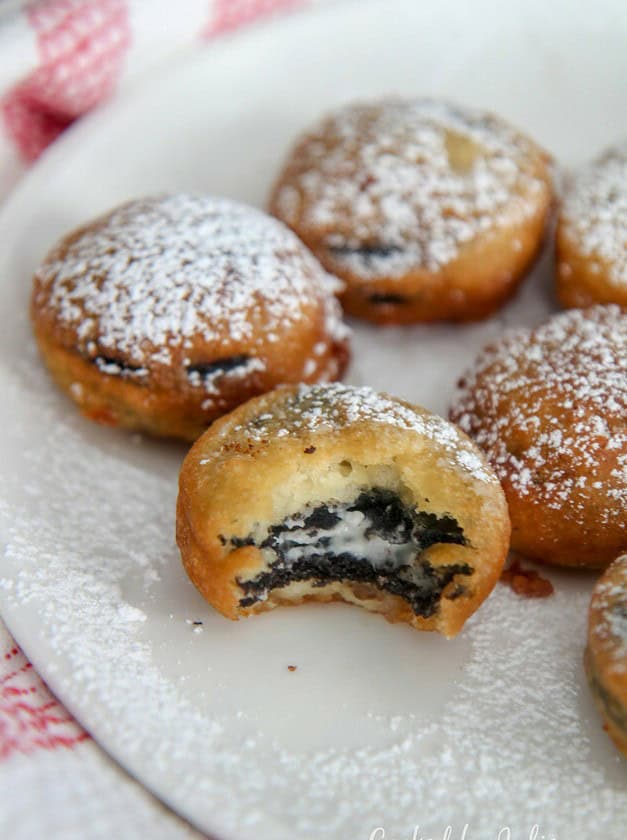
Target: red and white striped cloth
{"type": "Point", "coordinates": [58, 60]}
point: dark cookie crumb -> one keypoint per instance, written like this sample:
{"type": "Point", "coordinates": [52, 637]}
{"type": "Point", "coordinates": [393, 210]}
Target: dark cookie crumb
{"type": "Point", "coordinates": [397, 300]}
{"type": "Point", "coordinates": [236, 542]}
{"type": "Point", "coordinates": [310, 450]}
{"type": "Point", "coordinates": [207, 369]}
{"type": "Point", "coordinates": [619, 610]}
{"type": "Point", "coordinates": [457, 592]}
{"type": "Point", "coordinates": [421, 584]}
{"type": "Point", "coordinates": [613, 707]}
{"type": "Point", "coordinates": [366, 253]}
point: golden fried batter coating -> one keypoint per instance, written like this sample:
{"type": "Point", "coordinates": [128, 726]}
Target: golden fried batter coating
{"type": "Point", "coordinates": [328, 492]}
{"type": "Point", "coordinates": [549, 408]}
{"type": "Point", "coordinates": [426, 210]}
{"type": "Point", "coordinates": [592, 234]}
{"type": "Point", "coordinates": [169, 311]}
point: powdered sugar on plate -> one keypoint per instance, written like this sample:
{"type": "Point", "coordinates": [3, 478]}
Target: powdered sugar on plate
{"type": "Point", "coordinates": [158, 276]}
{"type": "Point", "coordinates": [594, 212]}
{"type": "Point", "coordinates": [101, 614]}
{"type": "Point", "coordinates": [563, 386]}
{"type": "Point", "coordinates": [395, 185]}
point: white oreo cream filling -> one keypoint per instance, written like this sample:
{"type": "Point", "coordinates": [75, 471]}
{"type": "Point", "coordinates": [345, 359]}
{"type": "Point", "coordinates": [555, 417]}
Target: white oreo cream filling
{"type": "Point", "coordinates": [351, 534]}
{"type": "Point", "coordinates": [375, 539]}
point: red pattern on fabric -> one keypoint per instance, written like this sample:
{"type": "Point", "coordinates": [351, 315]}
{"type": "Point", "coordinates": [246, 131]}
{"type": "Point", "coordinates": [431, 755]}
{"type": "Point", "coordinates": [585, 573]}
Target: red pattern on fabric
{"type": "Point", "coordinates": [229, 14]}
{"type": "Point", "coordinates": [82, 46]}
{"type": "Point", "coordinates": [30, 128]}
{"type": "Point", "coordinates": [30, 717]}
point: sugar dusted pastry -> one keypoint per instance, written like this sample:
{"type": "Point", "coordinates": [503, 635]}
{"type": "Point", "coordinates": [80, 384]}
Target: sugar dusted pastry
{"type": "Point", "coordinates": [606, 653]}
{"type": "Point", "coordinates": [592, 234]}
{"type": "Point", "coordinates": [428, 211]}
{"type": "Point", "coordinates": [549, 408]}
{"type": "Point", "coordinates": [328, 492]}
{"type": "Point", "coordinates": [169, 311]}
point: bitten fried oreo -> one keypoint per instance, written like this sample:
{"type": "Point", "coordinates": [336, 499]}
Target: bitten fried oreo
{"type": "Point", "coordinates": [329, 492]}
{"type": "Point", "coordinates": [606, 653]}
{"type": "Point", "coordinates": [549, 408]}
{"type": "Point", "coordinates": [169, 311]}
{"type": "Point", "coordinates": [426, 210]}
{"type": "Point", "coordinates": [592, 234]}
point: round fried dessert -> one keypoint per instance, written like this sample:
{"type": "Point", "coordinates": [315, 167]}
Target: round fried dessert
{"type": "Point", "coordinates": [605, 658]}
{"type": "Point", "coordinates": [592, 234]}
{"type": "Point", "coordinates": [169, 311]}
{"type": "Point", "coordinates": [549, 408]}
{"type": "Point", "coordinates": [329, 492]}
{"type": "Point", "coordinates": [426, 210]}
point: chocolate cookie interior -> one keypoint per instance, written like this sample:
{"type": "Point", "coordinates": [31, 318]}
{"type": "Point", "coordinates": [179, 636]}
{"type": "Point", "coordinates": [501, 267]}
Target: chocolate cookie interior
{"type": "Point", "coordinates": [609, 704]}
{"type": "Point", "coordinates": [376, 539]}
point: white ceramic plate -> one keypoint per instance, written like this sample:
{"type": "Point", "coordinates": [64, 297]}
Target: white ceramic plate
{"type": "Point", "coordinates": [380, 727]}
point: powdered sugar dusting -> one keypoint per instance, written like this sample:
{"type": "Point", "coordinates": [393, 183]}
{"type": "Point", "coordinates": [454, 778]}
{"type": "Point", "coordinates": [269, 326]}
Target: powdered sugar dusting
{"type": "Point", "coordinates": [158, 275]}
{"type": "Point", "coordinates": [563, 386]}
{"type": "Point", "coordinates": [312, 408]}
{"type": "Point", "coordinates": [594, 212]}
{"type": "Point", "coordinates": [408, 183]}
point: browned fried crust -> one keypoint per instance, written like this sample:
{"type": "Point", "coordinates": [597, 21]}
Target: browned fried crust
{"type": "Point", "coordinates": [487, 268]}
{"type": "Point", "coordinates": [232, 480]}
{"type": "Point", "coordinates": [549, 408]}
{"type": "Point", "coordinates": [163, 400]}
